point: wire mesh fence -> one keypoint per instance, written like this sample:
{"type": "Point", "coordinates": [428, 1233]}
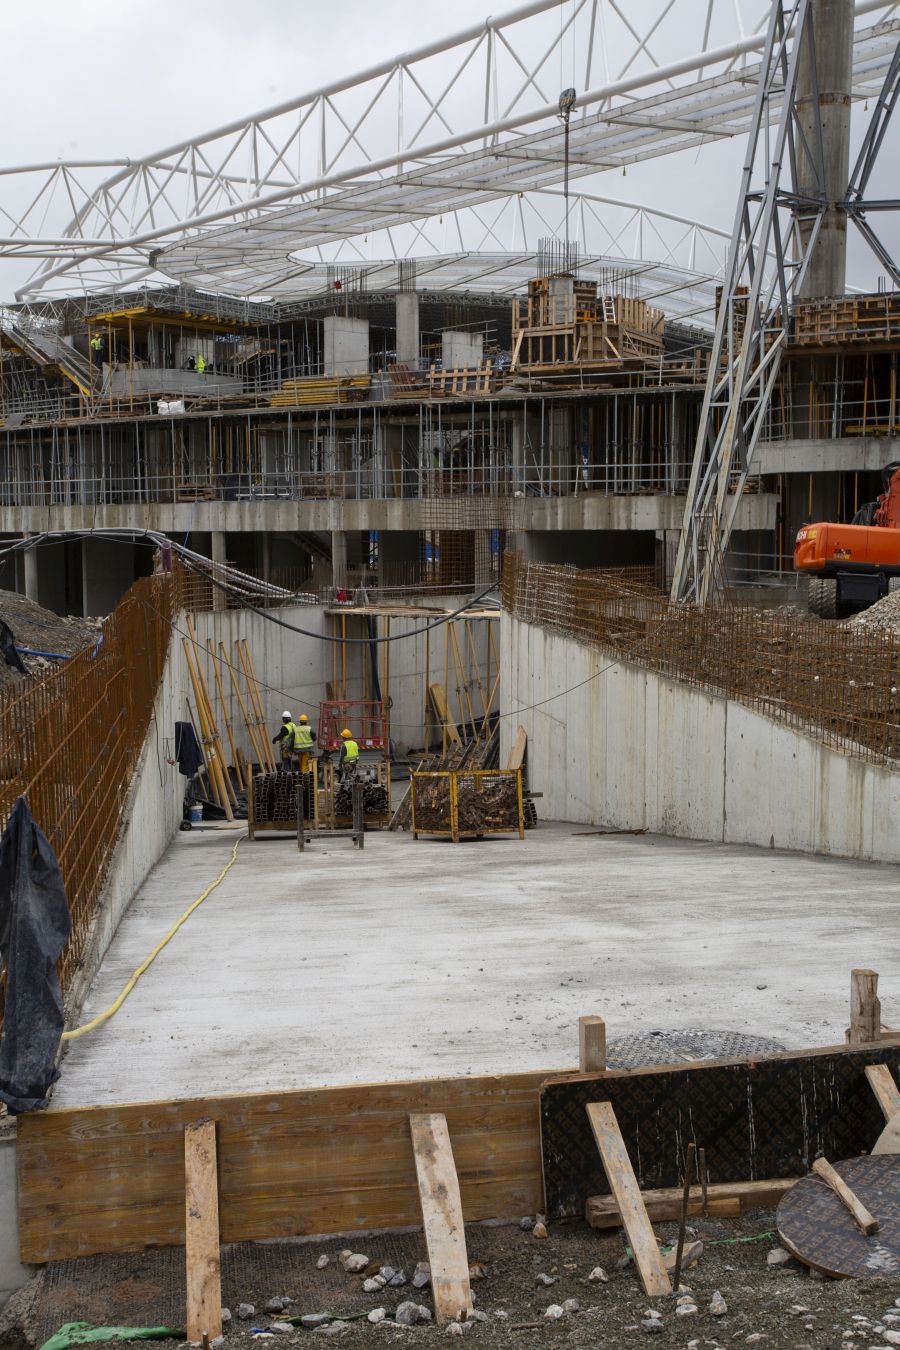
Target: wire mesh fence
{"type": "Point", "coordinates": [70, 742]}
{"type": "Point", "coordinates": [838, 683]}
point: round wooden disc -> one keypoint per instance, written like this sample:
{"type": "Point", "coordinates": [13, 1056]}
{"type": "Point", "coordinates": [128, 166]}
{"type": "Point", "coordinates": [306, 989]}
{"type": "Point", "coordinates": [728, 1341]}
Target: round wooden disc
{"type": "Point", "coordinates": [819, 1230]}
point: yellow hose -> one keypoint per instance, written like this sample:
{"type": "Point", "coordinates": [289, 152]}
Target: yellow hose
{"type": "Point", "coordinates": [145, 965]}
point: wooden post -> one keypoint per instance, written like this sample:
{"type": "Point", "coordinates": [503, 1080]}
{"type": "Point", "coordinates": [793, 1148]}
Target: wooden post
{"type": "Point", "coordinates": [592, 1045]}
{"type": "Point", "coordinates": [442, 1217]}
{"type": "Point", "coordinates": [865, 1008]}
{"type": "Point", "coordinates": [201, 1233]}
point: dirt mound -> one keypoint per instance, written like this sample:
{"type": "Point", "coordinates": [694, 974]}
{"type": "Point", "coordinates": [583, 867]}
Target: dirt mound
{"type": "Point", "coordinates": [41, 630]}
{"type": "Point", "coordinates": [882, 617]}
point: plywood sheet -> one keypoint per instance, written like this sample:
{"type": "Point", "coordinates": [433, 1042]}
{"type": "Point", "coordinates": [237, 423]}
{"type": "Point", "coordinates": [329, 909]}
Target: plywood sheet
{"type": "Point", "coordinates": [816, 1226]}
{"type": "Point", "coordinates": [755, 1118]}
{"type": "Point", "coordinates": [327, 1160]}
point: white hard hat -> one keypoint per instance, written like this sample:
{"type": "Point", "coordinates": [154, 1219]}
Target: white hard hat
{"type": "Point", "coordinates": [286, 714]}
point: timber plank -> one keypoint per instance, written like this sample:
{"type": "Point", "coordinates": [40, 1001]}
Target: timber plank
{"type": "Point", "coordinates": [881, 1081]}
{"type": "Point", "coordinates": [623, 1184]}
{"type": "Point", "coordinates": [111, 1178]}
{"type": "Point", "coordinates": [601, 1211]}
{"type": "Point", "coordinates": [442, 1216]}
{"type": "Point", "coordinates": [866, 1221]}
{"type": "Point", "coordinates": [201, 1206]}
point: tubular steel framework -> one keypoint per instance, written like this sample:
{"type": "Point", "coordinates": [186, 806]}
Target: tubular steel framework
{"type": "Point", "coordinates": [449, 128]}
{"type": "Point", "coordinates": [835, 682]}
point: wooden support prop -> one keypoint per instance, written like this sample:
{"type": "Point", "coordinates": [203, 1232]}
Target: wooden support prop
{"type": "Point", "coordinates": [442, 712]}
{"type": "Point", "coordinates": [201, 1233]}
{"type": "Point", "coordinates": [882, 1083]}
{"type": "Point", "coordinates": [249, 723]}
{"type": "Point", "coordinates": [624, 1186]}
{"type": "Point", "coordinates": [235, 758]}
{"type": "Point", "coordinates": [517, 753]}
{"type": "Point", "coordinates": [866, 1221]}
{"type": "Point", "coordinates": [591, 1044]}
{"type": "Point", "coordinates": [865, 1008]}
{"type": "Point", "coordinates": [445, 1234]}
{"type": "Point", "coordinates": [662, 1206]}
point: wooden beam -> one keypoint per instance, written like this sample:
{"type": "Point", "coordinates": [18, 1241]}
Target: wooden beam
{"type": "Point", "coordinates": [882, 1083]}
{"type": "Point", "coordinates": [866, 1221]}
{"type": "Point", "coordinates": [201, 1233]}
{"type": "Point", "coordinates": [865, 1008]}
{"type": "Point", "coordinates": [591, 1044]}
{"type": "Point", "coordinates": [663, 1206]}
{"type": "Point", "coordinates": [624, 1186]}
{"type": "Point", "coordinates": [442, 1216]}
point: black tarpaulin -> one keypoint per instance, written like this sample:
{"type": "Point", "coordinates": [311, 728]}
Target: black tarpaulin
{"type": "Point", "coordinates": [187, 749]}
{"type": "Point", "coordinates": [8, 648]}
{"type": "Point", "coordinates": [34, 928]}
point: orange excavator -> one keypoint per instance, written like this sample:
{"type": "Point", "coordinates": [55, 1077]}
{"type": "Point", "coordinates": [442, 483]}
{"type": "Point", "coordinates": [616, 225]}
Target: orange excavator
{"type": "Point", "coordinates": [851, 566]}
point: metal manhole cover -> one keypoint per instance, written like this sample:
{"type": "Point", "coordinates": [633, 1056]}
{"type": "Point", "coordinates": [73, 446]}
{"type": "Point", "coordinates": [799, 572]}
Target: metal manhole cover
{"type": "Point", "coordinates": [671, 1047]}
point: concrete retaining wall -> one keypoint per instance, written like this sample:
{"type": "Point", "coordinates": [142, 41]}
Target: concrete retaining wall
{"type": "Point", "coordinates": [629, 748]}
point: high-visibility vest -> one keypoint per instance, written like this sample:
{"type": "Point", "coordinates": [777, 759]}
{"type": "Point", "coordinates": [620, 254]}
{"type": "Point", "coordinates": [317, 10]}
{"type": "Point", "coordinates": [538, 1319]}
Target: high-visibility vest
{"type": "Point", "coordinates": [351, 751]}
{"type": "Point", "coordinates": [200, 364]}
{"type": "Point", "coordinates": [97, 343]}
{"type": "Point", "coordinates": [303, 737]}
{"type": "Point", "coordinates": [289, 742]}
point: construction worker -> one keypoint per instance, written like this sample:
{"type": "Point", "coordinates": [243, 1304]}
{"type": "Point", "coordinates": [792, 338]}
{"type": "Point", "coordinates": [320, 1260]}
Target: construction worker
{"type": "Point", "coordinates": [349, 755]}
{"type": "Point", "coordinates": [287, 739]}
{"type": "Point", "coordinates": [200, 364]}
{"type": "Point", "coordinates": [97, 349]}
{"type": "Point", "coordinates": [304, 741]}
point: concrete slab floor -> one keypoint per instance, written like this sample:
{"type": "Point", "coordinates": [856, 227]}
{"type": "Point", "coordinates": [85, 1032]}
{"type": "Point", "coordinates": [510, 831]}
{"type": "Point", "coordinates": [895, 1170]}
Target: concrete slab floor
{"type": "Point", "coordinates": [428, 959]}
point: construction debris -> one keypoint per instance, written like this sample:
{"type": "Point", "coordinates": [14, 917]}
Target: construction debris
{"type": "Point", "coordinates": [38, 630]}
{"type": "Point", "coordinates": [882, 617]}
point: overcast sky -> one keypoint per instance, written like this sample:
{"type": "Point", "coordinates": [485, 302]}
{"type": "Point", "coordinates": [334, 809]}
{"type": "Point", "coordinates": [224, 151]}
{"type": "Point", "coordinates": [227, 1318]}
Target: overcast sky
{"type": "Point", "coordinates": [115, 78]}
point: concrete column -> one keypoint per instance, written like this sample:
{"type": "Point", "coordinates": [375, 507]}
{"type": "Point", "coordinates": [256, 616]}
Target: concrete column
{"type": "Point", "coordinates": [30, 565]}
{"type": "Point", "coordinates": [217, 553]}
{"type": "Point", "coordinates": [833, 32]}
{"type": "Point", "coordinates": [339, 557]}
{"type": "Point", "coordinates": [407, 311]}
{"type": "Point", "coordinates": [107, 570]}
{"type": "Point", "coordinates": [345, 346]}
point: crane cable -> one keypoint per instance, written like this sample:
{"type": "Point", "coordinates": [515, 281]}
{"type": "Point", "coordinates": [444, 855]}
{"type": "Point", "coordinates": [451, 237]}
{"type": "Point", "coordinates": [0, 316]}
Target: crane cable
{"type": "Point", "coordinates": [145, 965]}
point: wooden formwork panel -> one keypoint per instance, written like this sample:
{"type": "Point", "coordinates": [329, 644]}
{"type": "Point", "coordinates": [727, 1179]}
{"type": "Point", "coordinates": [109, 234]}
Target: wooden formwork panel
{"type": "Point", "coordinates": [325, 1160]}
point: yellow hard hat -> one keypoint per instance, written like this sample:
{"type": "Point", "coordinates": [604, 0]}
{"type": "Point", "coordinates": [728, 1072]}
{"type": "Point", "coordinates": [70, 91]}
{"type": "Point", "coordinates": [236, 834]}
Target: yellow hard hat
{"type": "Point", "coordinates": [345, 734]}
{"type": "Point", "coordinates": [303, 717]}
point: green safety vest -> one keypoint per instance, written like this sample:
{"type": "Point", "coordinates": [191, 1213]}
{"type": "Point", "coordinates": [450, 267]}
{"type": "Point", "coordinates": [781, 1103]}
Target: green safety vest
{"type": "Point", "coordinates": [96, 343]}
{"type": "Point", "coordinates": [351, 750]}
{"type": "Point", "coordinates": [289, 742]}
{"type": "Point", "coordinates": [303, 737]}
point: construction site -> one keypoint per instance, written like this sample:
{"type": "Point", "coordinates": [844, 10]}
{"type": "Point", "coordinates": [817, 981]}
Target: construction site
{"type": "Point", "coordinates": [450, 698]}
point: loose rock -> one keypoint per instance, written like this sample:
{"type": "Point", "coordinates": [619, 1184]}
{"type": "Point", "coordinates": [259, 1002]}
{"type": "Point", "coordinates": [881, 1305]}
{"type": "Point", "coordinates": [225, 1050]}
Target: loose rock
{"type": "Point", "coordinates": [652, 1325]}
{"type": "Point", "coordinates": [892, 1337]}
{"type": "Point", "coordinates": [598, 1274]}
{"type": "Point", "coordinates": [281, 1326]}
{"type": "Point", "coordinates": [527, 1223]}
{"type": "Point", "coordinates": [374, 1284]}
{"type": "Point", "coordinates": [313, 1320]}
{"type": "Point", "coordinates": [421, 1275]}
{"type": "Point", "coordinates": [245, 1310]}
{"type": "Point", "coordinates": [226, 1316]}
{"type": "Point", "coordinates": [539, 1231]}
{"type": "Point", "coordinates": [353, 1262]}
{"type": "Point", "coordinates": [554, 1312]}
{"type": "Point", "coordinates": [689, 1257]}
{"type": "Point", "coordinates": [322, 1262]}
{"type": "Point", "coordinates": [777, 1257]}
{"type": "Point", "coordinates": [408, 1314]}
{"type": "Point", "coordinates": [276, 1304]}
{"type": "Point", "coordinates": [545, 1279]}
{"type": "Point", "coordinates": [571, 1305]}
{"type": "Point", "coordinates": [458, 1328]}
{"type": "Point", "coordinates": [387, 1273]}
{"type": "Point", "coordinates": [398, 1279]}
{"type": "Point", "coordinates": [377, 1315]}
{"type": "Point", "coordinates": [717, 1305]}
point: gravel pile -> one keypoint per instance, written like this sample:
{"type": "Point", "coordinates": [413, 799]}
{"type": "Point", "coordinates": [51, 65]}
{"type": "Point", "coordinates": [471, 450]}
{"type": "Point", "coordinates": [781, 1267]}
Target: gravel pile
{"type": "Point", "coordinates": [43, 631]}
{"type": "Point", "coordinates": [882, 617]}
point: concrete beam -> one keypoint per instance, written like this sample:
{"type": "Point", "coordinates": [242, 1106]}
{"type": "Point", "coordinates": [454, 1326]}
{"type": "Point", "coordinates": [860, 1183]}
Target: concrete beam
{"type": "Point", "coordinates": [861, 454]}
{"type": "Point", "coordinates": [589, 511]}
